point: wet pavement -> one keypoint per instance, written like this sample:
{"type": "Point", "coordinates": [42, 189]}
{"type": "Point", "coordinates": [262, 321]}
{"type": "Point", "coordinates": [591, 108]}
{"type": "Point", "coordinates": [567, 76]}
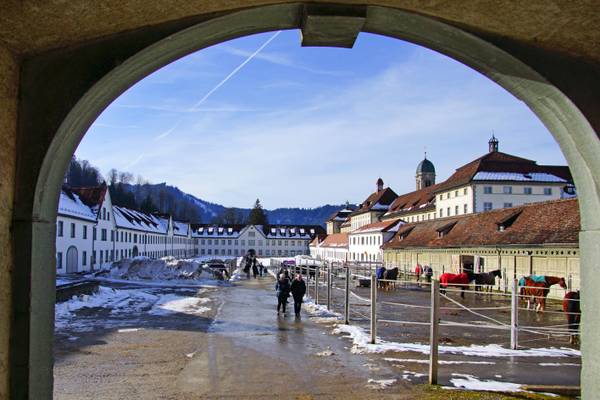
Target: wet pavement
{"type": "Point", "coordinates": [240, 348]}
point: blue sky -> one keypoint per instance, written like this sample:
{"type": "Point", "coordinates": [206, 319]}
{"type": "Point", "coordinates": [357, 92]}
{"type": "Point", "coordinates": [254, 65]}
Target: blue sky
{"type": "Point", "coordinates": [304, 127]}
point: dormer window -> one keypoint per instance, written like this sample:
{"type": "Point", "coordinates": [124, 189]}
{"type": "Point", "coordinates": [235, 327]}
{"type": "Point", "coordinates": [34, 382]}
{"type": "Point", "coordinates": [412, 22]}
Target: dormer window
{"type": "Point", "coordinates": [230, 230]}
{"type": "Point", "coordinates": [507, 222]}
{"type": "Point", "coordinates": [445, 230]}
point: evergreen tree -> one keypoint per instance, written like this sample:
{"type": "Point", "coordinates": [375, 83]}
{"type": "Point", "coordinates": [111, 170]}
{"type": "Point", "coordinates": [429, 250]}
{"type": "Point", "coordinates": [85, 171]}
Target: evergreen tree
{"type": "Point", "coordinates": [257, 215]}
{"type": "Point", "coordinates": [147, 205]}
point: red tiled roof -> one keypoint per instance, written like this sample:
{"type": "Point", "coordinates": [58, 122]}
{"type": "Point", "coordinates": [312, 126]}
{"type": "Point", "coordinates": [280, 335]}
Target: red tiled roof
{"type": "Point", "coordinates": [382, 226]}
{"type": "Point", "coordinates": [317, 239]}
{"type": "Point", "coordinates": [335, 240]}
{"type": "Point", "coordinates": [417, 201]}
{"type": "Point", "coordinates": [384, 197]}
{"type": "Point", "coordinates": [552, 222]}
{"type": "Point", "coordinates": [497, 161]}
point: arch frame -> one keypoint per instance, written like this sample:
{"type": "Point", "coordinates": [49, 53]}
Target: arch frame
{"type": "Point", "coordinates": [34, 235]}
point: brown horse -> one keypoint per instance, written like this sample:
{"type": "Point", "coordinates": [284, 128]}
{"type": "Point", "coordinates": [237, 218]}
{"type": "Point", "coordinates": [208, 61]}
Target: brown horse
{"type": "Point", "coordinates": [536, 291]}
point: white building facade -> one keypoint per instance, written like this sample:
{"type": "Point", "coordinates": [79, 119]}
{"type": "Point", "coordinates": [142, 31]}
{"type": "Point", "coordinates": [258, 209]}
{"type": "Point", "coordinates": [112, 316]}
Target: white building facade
{"type": "Point", "coordinates": [334, 247]}
{"type": "Point", "coordinates": [91, 233]}
{"type": "Point", "coordinates": [267, 241]}
{"type": "Point", "coordinates": [365, 244]}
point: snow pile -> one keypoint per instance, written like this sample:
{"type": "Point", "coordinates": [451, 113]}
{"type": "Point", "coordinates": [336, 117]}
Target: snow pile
{"type": "Point", "coordinates": [163, 269]}
{"type": "Point", "coordinates": [469, 382]}
{"type": "Point", "coordinates": [127, 302]}
{"type": "Point", "coordinates": [320, 313]}
{"type": "Point", "coordinates": [362, 344]}
{"type": "Point", "coordinates": [380, 383]}
{"type": "Point", "coordinates": [172, 303]}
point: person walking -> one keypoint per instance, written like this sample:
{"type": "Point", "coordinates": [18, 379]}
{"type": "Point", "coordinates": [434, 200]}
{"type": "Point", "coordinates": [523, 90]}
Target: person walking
{"type": "Point", "coordinates": [282, 289]}
{"type": "Point", "coordinates": [418, 272]}
{"type": "Point", "coordinates": [428, 272]}
{"type": "Point", "coordinates": [298, 289]}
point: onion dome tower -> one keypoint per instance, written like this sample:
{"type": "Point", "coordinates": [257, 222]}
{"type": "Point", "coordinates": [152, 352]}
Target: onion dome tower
{"type": "Point", "coordinates": [425, 174]}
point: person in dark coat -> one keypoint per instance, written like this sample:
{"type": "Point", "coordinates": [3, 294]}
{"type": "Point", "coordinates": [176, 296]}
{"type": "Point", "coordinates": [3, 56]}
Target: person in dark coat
{"type": "Point", "coordinates": [282, 289]}
{"type": "Point", "coordinates": [298, 289]}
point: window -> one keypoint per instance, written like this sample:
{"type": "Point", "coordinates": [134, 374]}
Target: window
{"type": "Point", "coordinates": [209, 241]}
{"type": "Point", "coordinates": [58, 260]}
{"type": "Point", "coordinates": [456, 193]}
{"type": "Point", "coordinates": [441, 212]}
{"type": "Point", "coordinates": [103, 213]}
{"type": "Point", "coordinates": [507, 190]}
{"type": "Point", "coordinates": [251, 242]}
{"type": "Point", "coordinates": [59, 228]}
{"type": "Point", "coordinates": [202, 251]}
{"type": "Point", "coordinates": [84, 258]}
{"type": "Point", "coordinates": [465, 190]}
{"type": "Point", "coordinates": [251, 234]}
{"type": "Point", "coordinates": [548, 191]}
{"type": "Point", "coordinates": [244, 242]}
{"type": "Point", "coordinates": [112, 235]}
{"type": "Point", "coordinates": [202, 241]}
{"type": "Point", "coordinates": [229, 242]}
{"type": "Point", "coordinates": [441, 197]}
{"type": "Point", "coordinates": [464, 209]}
{"type": "Point", "coordinates": [223, 242]}
{"type": "Point", "coordinates": [72, 229]}
{"type": "Point", "coordinates": [487, 206]}
{"type": "Point", "coordinates": [85, 231]}
{"type": "Point", "coordinates": [527, 190]}
{"type": "Point", "coordinates": [94, 233]}
{"type": "Point", "coordinates": [103, 235]}
{"type": "Point", "coordinates": [455, 210]}
{"type": "Point", "coordinates": [235, 242]}
{"type": "Point", "coordinates": [508, 205]}
{"type": "Point", "coordinates": [448, 211]}
{"type": "Point", "coordinates": [487, 190]}
{"type": "Point", "coordinates": [448, 195]}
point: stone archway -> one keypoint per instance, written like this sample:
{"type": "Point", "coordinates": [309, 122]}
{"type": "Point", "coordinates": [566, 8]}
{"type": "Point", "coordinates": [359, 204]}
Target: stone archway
{"type": "Point", "coordinates": [110, 67]}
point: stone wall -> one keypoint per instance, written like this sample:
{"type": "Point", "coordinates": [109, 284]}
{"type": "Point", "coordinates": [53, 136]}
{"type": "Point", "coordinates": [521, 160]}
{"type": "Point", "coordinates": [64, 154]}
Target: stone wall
{"type": "Point", "coordinates": [9, 75]}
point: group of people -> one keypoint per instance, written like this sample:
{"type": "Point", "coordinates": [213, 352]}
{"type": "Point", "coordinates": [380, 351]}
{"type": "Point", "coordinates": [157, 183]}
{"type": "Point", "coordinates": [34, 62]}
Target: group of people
{"type": "Point", "coordinates": [286, 286]}
{"type": "Point", "coordinates": [251, 264]}
{"type": "Point", "coordinates": [425, 271]}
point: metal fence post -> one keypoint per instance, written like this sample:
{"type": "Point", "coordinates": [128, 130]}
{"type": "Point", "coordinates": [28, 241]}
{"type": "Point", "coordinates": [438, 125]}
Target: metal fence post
{"type": "Point", "coordinates": [434, 332]}
{"type": "Point", "coordinates": [373, 308]}
{"type": "Point", "coordinates": [347, 297]}
{"type": "Point", "coordinates": [514, 317]}
{"type": "Point", "coordinates": [317, 285]}
{"type": "Point", "coordinates": [329, 286]}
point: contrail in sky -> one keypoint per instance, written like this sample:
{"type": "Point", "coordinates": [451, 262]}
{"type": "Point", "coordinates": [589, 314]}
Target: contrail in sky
{"type": "Point", "coordinates": [236, 70]}
{"type": "Point", "coordinates": [214, 89]}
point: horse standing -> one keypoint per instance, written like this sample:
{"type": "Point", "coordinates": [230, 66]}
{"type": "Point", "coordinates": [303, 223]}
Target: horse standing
{"type": "Point", "coordinates": [390, 275]}
{"type": "Point", "coordinates": [572, 310]}
{"type": "Point", "coordinates": [460, 280]}
{"type": "Point", "coordinates": [487, 278]}
{"type": "Point", "coordinates": [536, 289]}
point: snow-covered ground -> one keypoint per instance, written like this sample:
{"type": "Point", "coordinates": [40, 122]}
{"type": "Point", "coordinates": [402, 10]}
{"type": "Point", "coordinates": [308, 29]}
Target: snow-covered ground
{"type": "Point", "coordinates": [112, 306]}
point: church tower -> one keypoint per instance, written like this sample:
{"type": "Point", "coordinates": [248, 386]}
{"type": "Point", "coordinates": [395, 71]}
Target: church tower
{"type": "Point", "coordinates": [493, 144]}
{"type": "Point", "coordinates": [425, 174]}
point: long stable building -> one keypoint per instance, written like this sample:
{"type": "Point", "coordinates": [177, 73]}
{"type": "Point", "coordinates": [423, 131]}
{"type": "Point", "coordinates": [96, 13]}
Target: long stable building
{"type": "Point", "coordinates": [533, 239]}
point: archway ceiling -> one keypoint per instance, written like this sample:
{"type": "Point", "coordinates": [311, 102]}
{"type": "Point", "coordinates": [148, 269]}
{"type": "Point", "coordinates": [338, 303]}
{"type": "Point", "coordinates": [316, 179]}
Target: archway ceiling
{"type": "Point", "coordinates": [569, 27]}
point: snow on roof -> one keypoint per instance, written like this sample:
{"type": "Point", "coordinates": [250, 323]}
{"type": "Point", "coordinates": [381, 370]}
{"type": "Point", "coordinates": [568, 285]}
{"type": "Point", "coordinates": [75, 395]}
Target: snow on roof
{"type": "Point", "coordinates": [518, 177]}
{"type": "Point", "coordinates": [180, 228]}
{"type": "Point", "coordinates": [127, 218]}
{"type": "Point", "coordinates": [71, 205]}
